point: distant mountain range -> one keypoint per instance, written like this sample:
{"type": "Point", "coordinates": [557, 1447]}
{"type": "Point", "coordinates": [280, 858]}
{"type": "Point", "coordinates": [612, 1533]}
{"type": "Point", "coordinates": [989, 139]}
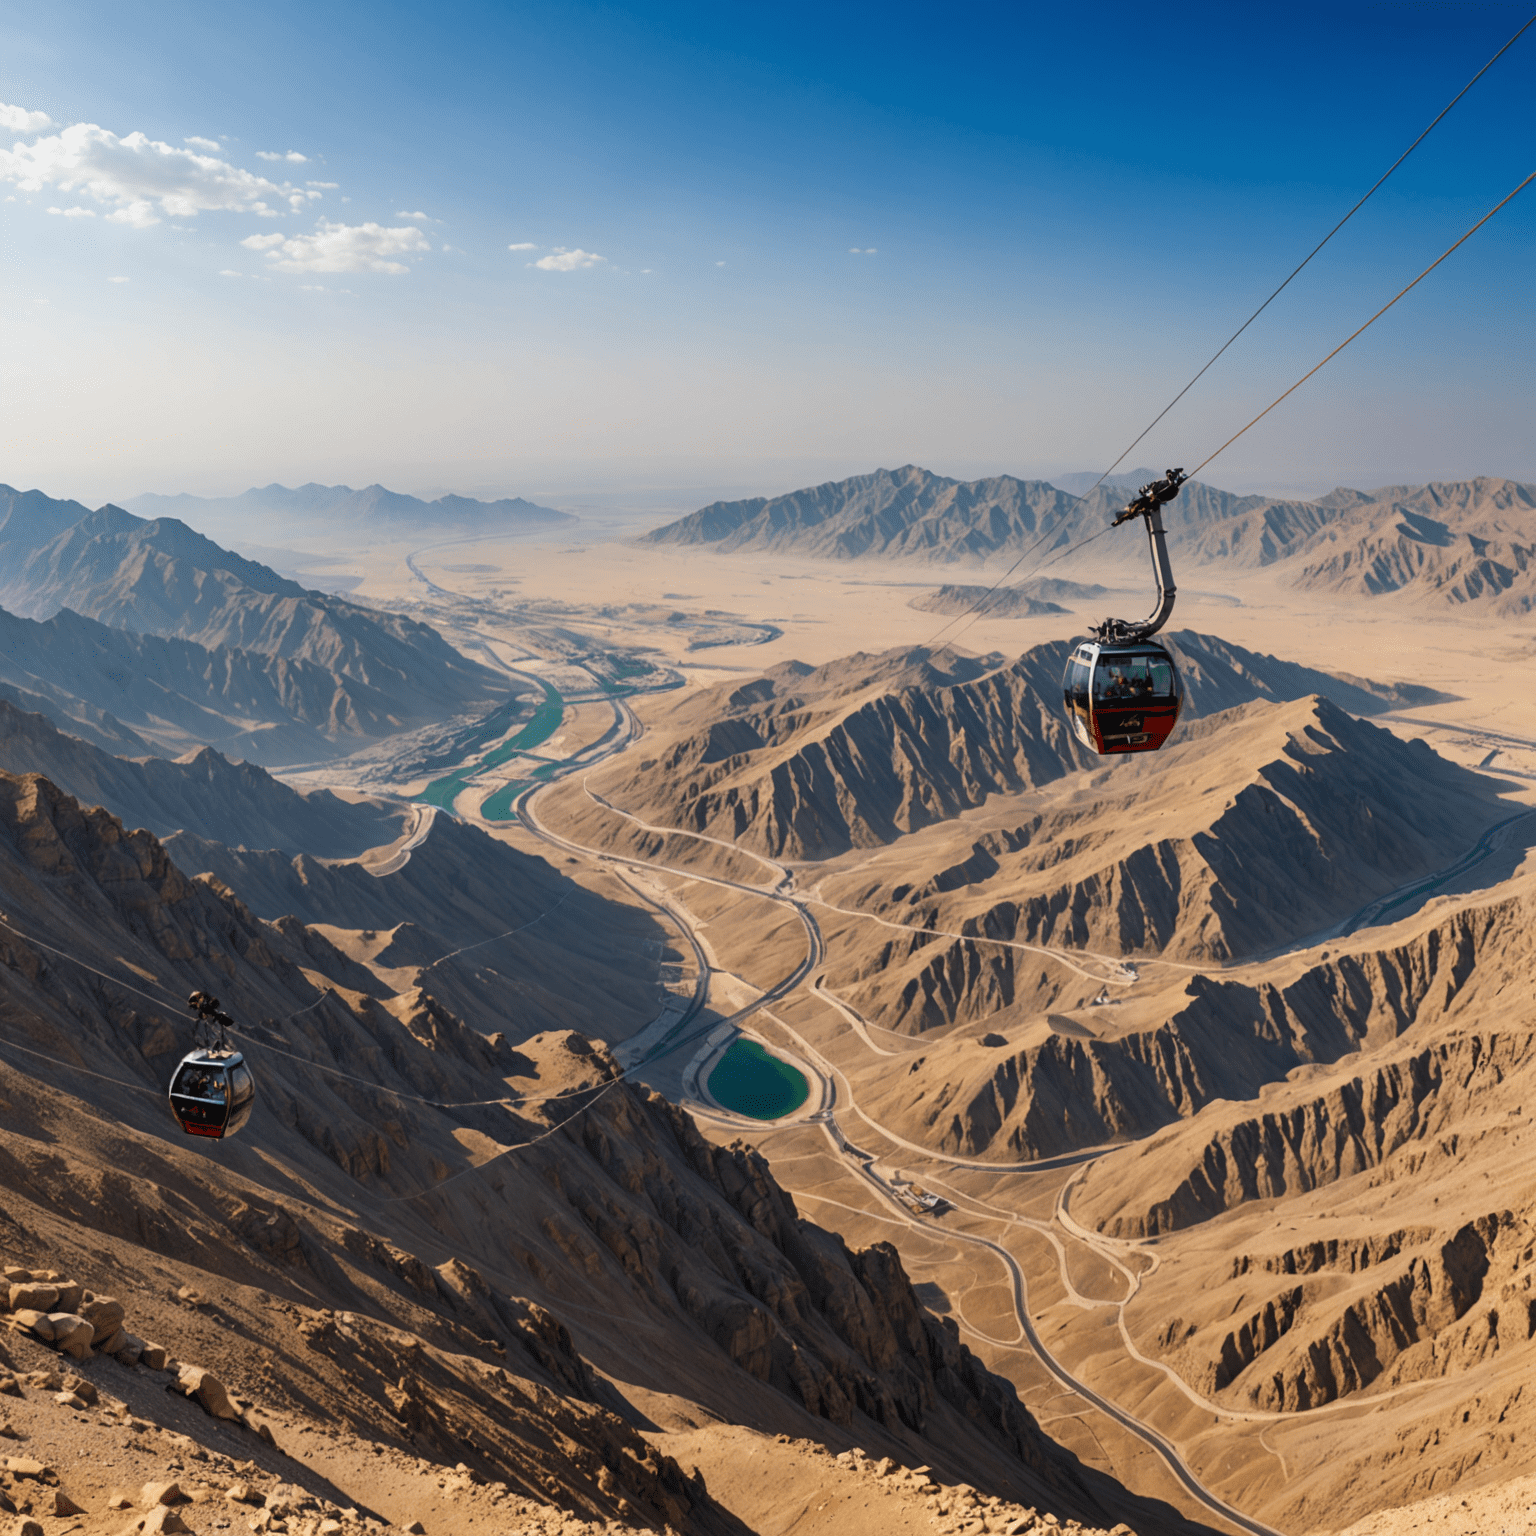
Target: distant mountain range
{"type": "Point", "coordinates": [192, 643]}
{"type": "Point", "coordinates": [373, 509]}
{"type": "Point", "coordinates": [1453, 542]}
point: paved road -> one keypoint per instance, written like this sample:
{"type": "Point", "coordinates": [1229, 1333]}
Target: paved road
{"type": "Point", "coordinates": [689, 1031]}
{"type": "Point", "coordinates": [1495, 838]}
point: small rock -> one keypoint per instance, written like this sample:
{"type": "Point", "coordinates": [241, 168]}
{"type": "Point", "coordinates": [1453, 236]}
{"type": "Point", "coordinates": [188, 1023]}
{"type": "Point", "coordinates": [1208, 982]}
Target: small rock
{"type": "Point", "coordinates": [192, 1296]}
{"type": "Point", "coordinates": [415, 1528]}
{"type": "Point", "coordinates": [160, 1493]}
{"type": "Point", "coordinates": [28, 1320]}
{"type": "Point", "coordinates": [69, 1400]}
{"type": "Point", "coordinates": [155, 1356]}
{"type": "Point", "coordinates": [11, 1432]}
{"type": "Point", "coordinates": [21, 1466]}
{"type": "Point", "coordinates": [64, 1505]}
{"type": "Point", "coordinates": [163, 1520]}
{"type": "Point", "coordinates": [10, 1386]}
{"type": "Point", "coordinates": [884, 1467]}
{"type": "Point", "coordinates": [16, 1274]}
{"type": "Point", "coordinates": [328, 1528]}
{"type": "Point", "coordinates": [83, 1389]}
{"type": "Point", "coordinates": [119, 1501]}
{"type": "Point", "coordinates": [131, 1348]}
{"type": "Point", "coordinates": [34, 1297]}
{"type": "Point", "coordinates": [70, 1296]}
{"type": "Point", "coordinates": [27, 1528]}
{"type": "Point", "coordinates": [239, 1493]}
{"type": "Point", "coordinates": [44, 1381]}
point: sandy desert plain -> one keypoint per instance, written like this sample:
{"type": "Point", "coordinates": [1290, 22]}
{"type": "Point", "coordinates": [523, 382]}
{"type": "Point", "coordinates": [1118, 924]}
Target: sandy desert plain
{"type": "Point", "coordinates": [1189, 1089]}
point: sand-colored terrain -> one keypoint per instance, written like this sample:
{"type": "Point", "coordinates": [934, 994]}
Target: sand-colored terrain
{"type": "Point", "coordinates": [1181, 1098]}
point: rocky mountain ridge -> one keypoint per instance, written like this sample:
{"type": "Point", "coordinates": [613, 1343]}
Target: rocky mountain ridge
{"type": "Point", "coordinates": [162, 579]}
{"type": "Point", "coordinates": [1444, 543]}
{"type": "Point", "coordinates": [527, 1255]}
{"type": "Point", "coordinates": [202, 793]}
{"type": "Point", "coordinates": [372, 511]}
{"type": "Point", "coordinates": [173, 694]}
{"type": "Point", "coordinates": [808, 763]}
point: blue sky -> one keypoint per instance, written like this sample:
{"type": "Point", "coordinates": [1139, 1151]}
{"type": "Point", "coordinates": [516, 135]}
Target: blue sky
{"type": "Point", "coordinates": [762, 245]}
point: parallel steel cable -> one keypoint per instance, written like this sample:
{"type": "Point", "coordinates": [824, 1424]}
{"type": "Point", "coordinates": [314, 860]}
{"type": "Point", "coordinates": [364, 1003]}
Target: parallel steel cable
{"type": "Point", "coordinates": [598, 1090]}
{"type": "Point", "coordinates": [277, 1050]}
{"type": "Point", "coordinates": [1374, 318]}
{"type": "Point", "coordinates": [982, 601]}
{"type": "Point", "coordinates": [1324, 241]}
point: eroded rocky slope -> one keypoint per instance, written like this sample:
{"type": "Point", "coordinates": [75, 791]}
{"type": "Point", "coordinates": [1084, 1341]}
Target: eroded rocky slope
{"type": "Point", "coordinates": [162, 579]}
{"type": "Point", "coordinates": [807, 763]}
{"type": "Point", "coordinates": [202, 793]}
{"type": "Point", "coordinates": [1262, 826]}
{"type": "Point", "coordinates": [1361, 1232]}
{"type": "Point", "coordinates": [518, 1284]}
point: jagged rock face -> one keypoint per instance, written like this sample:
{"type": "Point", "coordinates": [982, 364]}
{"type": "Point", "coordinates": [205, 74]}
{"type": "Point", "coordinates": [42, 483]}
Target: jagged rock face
{"type": "Point", "coordinates": [1263, 826]}
{"type": "Point", "coordinates": [1221, 1040]}
{"type": "Point", "coordinates": [598, 1211]}
{"type": "Point", "coordinates": [809, 763]}
{"type": "Point", "coordinates": [176, 692]}
{"type": "Point", "coordinates": [203, 793]}
{"type": "Point", "coordinates": [1365, 1228]}
{"type": "Point", "coordinates": [161, 578]}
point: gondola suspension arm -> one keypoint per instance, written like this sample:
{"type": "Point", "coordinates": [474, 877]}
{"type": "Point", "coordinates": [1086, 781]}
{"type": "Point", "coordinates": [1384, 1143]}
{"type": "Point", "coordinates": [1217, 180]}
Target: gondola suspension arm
{"type": "Point", "coordinates": [1149, 503]}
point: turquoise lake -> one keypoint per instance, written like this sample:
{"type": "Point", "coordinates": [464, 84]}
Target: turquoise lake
{"type": "Point", "coordinates": [750, 1081]}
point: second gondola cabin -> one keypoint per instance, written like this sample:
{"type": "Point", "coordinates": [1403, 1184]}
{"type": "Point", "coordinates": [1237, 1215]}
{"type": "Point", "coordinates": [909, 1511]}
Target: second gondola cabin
{"type": "Point", "coordinates": [212, 1093]}
{"type": "Point", "coordinates": [1122, 697]}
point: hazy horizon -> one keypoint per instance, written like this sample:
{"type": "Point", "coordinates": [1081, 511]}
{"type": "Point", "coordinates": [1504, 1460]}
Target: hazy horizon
{"type": "Point", "coordinates": [577, 251]}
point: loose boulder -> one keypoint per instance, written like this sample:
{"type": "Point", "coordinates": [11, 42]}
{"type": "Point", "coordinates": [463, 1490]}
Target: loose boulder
{"type": "Point", "coordinates": [207, 1390]}
{"type": "Point", "coordinates": [72, 1334]}
{"type": "Point", "coordinates": [106, 1313]}
{"type": "Point", "coordinates": [34, 1297]}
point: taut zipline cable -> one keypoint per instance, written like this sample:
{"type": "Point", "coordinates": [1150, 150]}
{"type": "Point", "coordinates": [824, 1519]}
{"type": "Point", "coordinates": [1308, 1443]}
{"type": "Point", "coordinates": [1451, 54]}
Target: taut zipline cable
{"type": "Point", "coordinates": [982, 601]}
{"type": "Point", "coordinates": [1510, 197]}
{"type": "Point", "coordinates": [1320, 244]}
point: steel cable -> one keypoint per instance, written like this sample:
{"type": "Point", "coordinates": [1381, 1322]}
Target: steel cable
{"type": "Point", "coordinates": [983, 600]}
{"type": "Point", "coordinates": [1374, 318]}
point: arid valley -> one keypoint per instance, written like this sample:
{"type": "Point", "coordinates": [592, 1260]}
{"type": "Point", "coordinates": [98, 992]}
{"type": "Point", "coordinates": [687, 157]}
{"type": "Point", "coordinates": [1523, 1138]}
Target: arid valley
{"type": "Point", "coordinates": [728, 1058]}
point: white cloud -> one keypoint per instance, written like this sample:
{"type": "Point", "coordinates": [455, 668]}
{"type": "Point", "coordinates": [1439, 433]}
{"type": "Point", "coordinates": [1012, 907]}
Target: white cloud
{"type": "Point", "coordinates": [142, 178]}
{"type": "Point", "coordinates": [19, 120]}
{"type": "Point", "coordinates": [402, 214]}
{"type": "Point", "coordinates": [74, 213]}
{"type": "Point", "coordinates": [230, 272]}
{"type": "Point", "coordinates": [523, 245]}
{"type": "Point", "coordinates": [117, 279]}
{"type": "Point", "coordinates": [719, 263]}
{"type": "Point", "coordinates": [342, 248]}
{"type": "Point", "coordinates": [868, 250]}
{"type": "Point", "coordinates": [293, 157]}
{"type": "Point", "coordinates": [563, 260]}
{"type": "Point", "coordinates": [211, 145]}
{"type": "Point", "coordinates": [323, 186]}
